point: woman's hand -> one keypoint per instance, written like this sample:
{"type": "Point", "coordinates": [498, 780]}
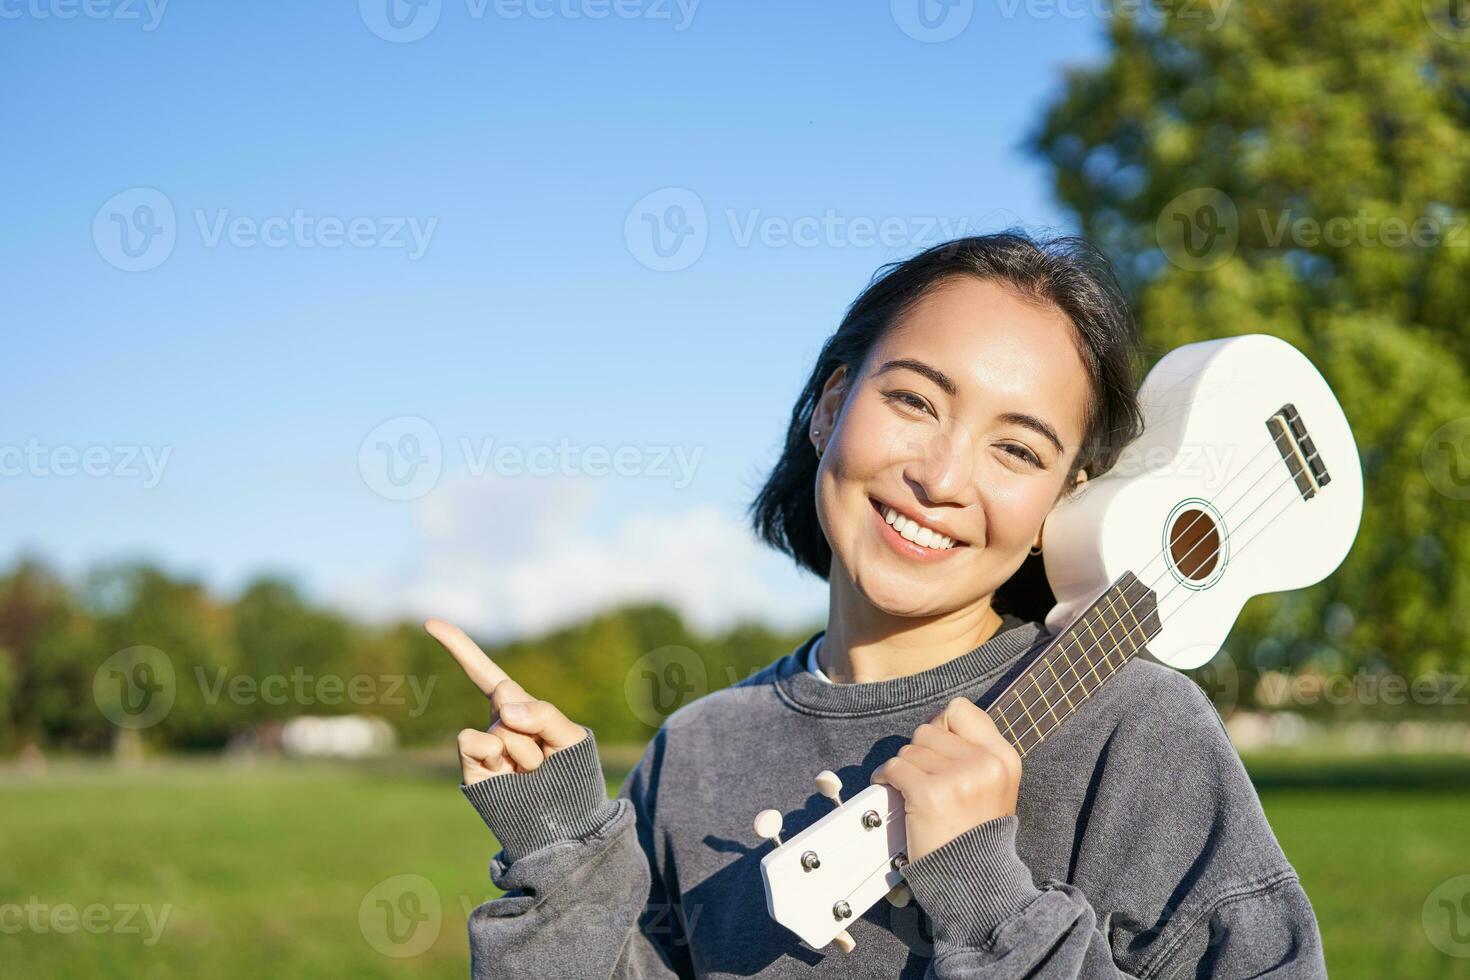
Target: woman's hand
{"type": "Point", "coordinates": [956, 773]}
{"type": "Point", "coordinates": [523, 730]}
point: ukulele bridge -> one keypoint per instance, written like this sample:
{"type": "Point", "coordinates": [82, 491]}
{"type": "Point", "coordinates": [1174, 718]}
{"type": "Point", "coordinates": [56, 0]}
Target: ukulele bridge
{"type": "Point", "coordinates": [1297, 450]}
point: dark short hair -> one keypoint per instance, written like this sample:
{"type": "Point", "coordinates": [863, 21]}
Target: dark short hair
{"type": "Point", "coordinates": [1064, 272]}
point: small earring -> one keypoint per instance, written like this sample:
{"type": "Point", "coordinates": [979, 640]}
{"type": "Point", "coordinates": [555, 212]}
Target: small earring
{"type": "Point", "coordinates": [1035, 551]}
{"type": "Point", "coordinates": [815, 433]}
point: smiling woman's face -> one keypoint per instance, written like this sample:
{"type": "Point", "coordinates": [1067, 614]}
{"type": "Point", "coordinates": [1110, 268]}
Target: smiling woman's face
{"type": "Point", "coordinates": [948, 425]}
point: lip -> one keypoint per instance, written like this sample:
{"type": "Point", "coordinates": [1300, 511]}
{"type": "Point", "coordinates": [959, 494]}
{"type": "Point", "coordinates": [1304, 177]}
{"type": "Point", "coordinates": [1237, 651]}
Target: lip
{"type": "Point", "coordinates": [903, 545]}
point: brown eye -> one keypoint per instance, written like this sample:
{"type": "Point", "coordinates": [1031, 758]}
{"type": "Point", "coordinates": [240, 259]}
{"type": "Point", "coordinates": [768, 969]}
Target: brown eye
{"type": "Point", "coordinates": [1021, 452]}
{"type": "Point", "coordinates": [909, 399]}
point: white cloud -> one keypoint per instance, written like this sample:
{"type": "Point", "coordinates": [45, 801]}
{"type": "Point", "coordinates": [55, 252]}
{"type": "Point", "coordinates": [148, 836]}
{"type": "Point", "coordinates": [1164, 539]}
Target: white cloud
{"type": "Point", "coordinates": [510, 557]}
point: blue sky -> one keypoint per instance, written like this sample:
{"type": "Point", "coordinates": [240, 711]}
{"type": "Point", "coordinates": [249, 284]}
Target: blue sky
{"type": "Point", "coordinates": [258, 253]}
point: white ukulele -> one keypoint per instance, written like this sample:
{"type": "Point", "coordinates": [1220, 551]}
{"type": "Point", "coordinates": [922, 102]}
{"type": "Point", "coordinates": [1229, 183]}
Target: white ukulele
{"type": "Point", "coordinates": [1246, 480]}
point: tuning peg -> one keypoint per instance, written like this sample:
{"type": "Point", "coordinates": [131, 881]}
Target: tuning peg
{"type": "Point", "coordinates": [844, 941]}
{"type": "Point", "coordinates": [830, 786]}
{"type": "Point", "coordinates": [768, 825]}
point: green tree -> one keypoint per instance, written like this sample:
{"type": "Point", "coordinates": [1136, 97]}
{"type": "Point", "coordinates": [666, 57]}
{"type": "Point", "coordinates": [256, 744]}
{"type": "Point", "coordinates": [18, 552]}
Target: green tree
{"type": "Point", "coordinates": [293, 659]}
{"type": "Point", "coordinates": [186, 636]}
{"type": "Point", "coordinates": [1299, 168]}
{"type": "Point", "coordinates": [32, 600]}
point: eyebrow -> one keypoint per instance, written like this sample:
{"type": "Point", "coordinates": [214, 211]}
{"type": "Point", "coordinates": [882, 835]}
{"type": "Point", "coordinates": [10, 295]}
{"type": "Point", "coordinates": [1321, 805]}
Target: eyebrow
{"type": "Point", "coordinates": [950, 388]}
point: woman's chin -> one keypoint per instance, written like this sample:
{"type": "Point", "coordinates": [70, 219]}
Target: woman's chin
{"type": "Point", "coordinates": [892, 592]}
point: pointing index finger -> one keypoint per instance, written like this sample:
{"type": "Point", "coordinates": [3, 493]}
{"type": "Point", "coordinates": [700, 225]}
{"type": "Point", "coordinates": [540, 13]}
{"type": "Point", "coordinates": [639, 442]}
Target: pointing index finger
{"type": "Point", "coordinates": [471, 659]}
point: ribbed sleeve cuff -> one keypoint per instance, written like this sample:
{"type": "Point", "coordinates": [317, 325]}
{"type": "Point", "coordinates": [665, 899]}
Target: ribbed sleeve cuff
{"type": "Point", "coordinates": [564, 798]}
{"type": "Point", "coordinates": [972, 884]}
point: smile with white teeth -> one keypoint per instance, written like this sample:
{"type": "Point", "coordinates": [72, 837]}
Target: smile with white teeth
{"type": "Point", "coordinates": [912, 530]}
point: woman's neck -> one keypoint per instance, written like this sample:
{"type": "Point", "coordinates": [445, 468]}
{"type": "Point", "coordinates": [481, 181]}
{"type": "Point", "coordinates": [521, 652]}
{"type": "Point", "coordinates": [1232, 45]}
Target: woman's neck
{"type": "Point", "coordinates": [856, 654]}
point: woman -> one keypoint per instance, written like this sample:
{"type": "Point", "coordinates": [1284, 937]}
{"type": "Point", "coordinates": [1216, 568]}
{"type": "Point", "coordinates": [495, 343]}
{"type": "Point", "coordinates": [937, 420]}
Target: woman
{"type": "Point", "coordinates": [966, 392]}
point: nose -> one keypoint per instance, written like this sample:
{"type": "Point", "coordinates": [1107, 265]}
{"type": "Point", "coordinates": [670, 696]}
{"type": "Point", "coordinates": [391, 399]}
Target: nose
{"type": "Point", "coordinates": [940, 466]}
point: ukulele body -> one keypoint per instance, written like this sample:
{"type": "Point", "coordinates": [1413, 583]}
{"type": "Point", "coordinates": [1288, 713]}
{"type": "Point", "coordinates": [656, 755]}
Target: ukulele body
{"type": "Point", "coordinates": [1204, 507]}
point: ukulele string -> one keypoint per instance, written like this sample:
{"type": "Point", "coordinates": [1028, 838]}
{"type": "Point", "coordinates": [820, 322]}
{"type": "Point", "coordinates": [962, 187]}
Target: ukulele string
{"type": "Point", "coordinates": [1071, 663]}
{"type": "Point", "coordinates": [1238, 475]}
{"type": "Point", "coordinates": [1112, 668]}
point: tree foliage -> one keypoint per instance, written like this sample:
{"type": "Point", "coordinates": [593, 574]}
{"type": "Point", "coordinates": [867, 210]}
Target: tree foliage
{"type": "Point", "coordinates": [1300, 169]}
{"type": "Point", "coordinates": [233, 668]}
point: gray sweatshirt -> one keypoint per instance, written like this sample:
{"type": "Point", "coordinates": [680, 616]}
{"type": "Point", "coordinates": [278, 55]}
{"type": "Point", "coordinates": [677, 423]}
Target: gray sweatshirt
{"type": "Point", "coordinates": [1138, 849]}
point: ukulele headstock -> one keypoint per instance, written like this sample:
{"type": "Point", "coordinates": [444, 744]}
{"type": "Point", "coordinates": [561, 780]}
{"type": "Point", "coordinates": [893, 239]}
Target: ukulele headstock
{"type": "Point", "coordinates": [832, 872]}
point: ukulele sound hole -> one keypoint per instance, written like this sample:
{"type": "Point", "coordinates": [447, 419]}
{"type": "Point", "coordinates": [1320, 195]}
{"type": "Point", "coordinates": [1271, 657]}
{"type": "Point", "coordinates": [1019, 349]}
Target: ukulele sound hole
{"type": "Point", "coordinates": [1194, 544]}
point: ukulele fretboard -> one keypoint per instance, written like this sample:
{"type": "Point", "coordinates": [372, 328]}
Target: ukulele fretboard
{"type": "Point", "coordinates": [1076, 663]}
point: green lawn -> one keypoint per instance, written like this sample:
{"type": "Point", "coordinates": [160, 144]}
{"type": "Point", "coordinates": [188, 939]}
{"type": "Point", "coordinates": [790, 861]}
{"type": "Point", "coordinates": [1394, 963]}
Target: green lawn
{"type": "Point", "coordinates": [292, 870]}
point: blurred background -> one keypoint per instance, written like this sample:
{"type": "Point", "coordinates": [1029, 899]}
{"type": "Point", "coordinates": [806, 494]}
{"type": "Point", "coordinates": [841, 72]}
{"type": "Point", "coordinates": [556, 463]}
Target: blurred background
{"type": "Point", "coordinates": [322, 318]}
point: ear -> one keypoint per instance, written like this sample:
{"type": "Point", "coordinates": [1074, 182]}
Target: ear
{"type": "Point", "coordinates": [1077, 485]}
{"type": "Point", "coordinates": [829, 405]}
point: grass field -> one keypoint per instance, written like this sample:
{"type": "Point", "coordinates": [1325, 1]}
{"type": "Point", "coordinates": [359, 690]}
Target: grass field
{"type": "Point", "coordinates": [197, 869]}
